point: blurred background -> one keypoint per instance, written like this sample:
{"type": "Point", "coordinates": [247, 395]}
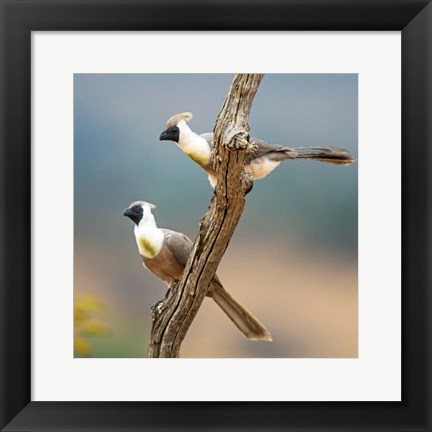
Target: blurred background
{"type": "Point", "coordinates": [293, 258]}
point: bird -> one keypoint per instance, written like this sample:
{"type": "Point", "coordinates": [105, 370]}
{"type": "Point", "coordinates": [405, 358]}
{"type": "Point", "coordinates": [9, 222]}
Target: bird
{"type": "Point", "coordinates": [259, 164]}
{"type": "Point", "coordinates": [165, 252]}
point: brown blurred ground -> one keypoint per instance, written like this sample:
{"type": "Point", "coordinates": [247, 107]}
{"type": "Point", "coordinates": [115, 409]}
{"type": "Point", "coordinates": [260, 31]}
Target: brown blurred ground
{"type": "Point", "coordinates": [309, 304]}
{"type": "Point", "coordinates": [307, 301]}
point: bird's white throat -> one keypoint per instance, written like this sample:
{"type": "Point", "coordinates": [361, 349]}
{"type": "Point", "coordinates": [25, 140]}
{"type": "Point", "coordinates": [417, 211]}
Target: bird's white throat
{"type": "Point", "coordinates": [148, 236]}
{"type": "Point", "coordinates": [195, 146]}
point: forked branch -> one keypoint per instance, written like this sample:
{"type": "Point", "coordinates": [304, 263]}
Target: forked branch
{"type": "Point", "coordinates": [172, 320]}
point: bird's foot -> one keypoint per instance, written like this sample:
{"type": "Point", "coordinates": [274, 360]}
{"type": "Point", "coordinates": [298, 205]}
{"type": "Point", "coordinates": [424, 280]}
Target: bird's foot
{"type": "Point", "coordinates": [157, 307]}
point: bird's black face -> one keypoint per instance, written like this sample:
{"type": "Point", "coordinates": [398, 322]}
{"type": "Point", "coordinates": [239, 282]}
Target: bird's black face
{"type": "Point", "coordinates": [134, 213]}
{"type": "Point", "coordinates": [170, 134]}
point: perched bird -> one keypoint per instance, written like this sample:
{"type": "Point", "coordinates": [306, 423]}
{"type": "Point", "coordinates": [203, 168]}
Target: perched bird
{"type": "Point", "coordinates": [259, 164]}
{"type": "Point", "coordinates": [165, 253]}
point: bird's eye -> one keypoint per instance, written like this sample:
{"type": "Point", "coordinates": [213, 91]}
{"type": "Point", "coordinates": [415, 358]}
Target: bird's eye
{"type": "Point", "coordinates": [173, 130]}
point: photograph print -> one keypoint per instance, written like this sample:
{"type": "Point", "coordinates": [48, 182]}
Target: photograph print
{"type": "Point", "coordinates": [144, 176]}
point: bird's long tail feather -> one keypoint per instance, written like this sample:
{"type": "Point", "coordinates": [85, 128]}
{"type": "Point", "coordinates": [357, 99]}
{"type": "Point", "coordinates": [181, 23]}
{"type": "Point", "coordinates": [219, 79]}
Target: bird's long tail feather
{"type": "Point", "coordinates": [324, 154]}
{"type": "Point", "coordinates": [248, 325]}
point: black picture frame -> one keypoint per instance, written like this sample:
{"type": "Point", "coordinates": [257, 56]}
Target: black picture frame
{"type": "Point", "coordinates": [19, 18]}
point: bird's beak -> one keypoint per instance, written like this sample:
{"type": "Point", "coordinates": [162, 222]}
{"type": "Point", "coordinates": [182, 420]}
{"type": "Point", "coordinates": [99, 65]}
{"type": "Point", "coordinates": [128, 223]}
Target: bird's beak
{"type": "Point", "coordinates": [170, 134]}
{"type": "Point", "coordinates": [164, 136]}
{"type": "Point", "coordinates": [128, 213]}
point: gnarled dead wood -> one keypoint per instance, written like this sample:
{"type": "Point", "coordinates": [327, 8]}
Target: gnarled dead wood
{"type": "Point", "coordinates": [173, 317]}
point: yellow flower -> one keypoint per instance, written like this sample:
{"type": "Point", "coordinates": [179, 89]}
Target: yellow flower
{"type": "Point", "coordinates": [93, 327]}
{"type": "Point", "coordinates": [85, 325]}
{"type": "Point", "coordinates": [81, 346]}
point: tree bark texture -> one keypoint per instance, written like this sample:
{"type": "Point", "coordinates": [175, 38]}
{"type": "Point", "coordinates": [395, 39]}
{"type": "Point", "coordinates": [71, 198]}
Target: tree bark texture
{"type": "Point", "coordinates": [173, 317]}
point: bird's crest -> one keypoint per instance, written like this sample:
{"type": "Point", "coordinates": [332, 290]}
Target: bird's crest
{"type": "Point", "coordinates": [173, 121]}
{"type": "Point", "coordinates": [141, 203]}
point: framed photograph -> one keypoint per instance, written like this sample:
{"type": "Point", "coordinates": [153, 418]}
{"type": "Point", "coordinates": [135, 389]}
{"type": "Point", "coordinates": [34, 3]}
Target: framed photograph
{"type": "Point", "coordinates": [120, 122]}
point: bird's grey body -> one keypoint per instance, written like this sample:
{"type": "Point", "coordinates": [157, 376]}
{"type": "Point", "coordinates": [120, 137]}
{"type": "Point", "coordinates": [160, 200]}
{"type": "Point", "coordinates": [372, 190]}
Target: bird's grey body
{"type": "Point", "coordinates": [169, 263]}
{"type": "Point", "coordinates": [165, 252]}
{"type": "Point", "coordinates": [259, 164]}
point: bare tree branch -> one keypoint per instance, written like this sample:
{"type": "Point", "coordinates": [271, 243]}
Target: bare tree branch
{"type": "Point", "coordinates": [173, 318]}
